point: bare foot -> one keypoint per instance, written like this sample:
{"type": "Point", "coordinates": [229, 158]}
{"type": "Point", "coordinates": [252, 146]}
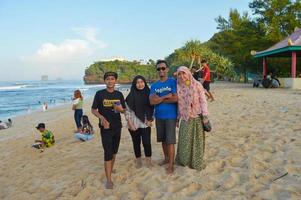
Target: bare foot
{"type": "Point", "coordinates": [163, 162]}
{"type": "Point", "coordinates": [109, 185]}
{"type": "Point", "coordinates": [169, 170]}
{"type": "Point", "coordinates": [138, 163]}
{"type": "Point", "coordinates": [149, 163]}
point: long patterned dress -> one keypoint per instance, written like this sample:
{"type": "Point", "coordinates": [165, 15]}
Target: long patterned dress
{"type": "Point", "coordinates": [191, 144]}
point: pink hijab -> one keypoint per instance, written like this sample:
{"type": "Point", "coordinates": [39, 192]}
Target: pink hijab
{"type": "Point", "coordinates": [191, 98]}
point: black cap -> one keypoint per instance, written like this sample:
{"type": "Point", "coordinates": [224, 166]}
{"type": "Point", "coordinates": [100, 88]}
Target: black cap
{"type": "Point", "coordinates": [40, 125]}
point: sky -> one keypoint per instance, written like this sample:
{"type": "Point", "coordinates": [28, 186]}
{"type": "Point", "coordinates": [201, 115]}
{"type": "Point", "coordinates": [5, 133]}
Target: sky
{"type": "Point", "coordinates": [60, 38]}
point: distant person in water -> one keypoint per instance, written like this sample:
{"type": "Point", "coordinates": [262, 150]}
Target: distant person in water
{"type": "Point", "coordinates": [45, 106]}
{"type": "Point", "coordinates": [86, 132]}
{"type": "Point", "coordinates": [47, 138]}
{"type": "Point", "coordinates": [107, 106]}
{"type": "Point", "coordinates": [77, 106]}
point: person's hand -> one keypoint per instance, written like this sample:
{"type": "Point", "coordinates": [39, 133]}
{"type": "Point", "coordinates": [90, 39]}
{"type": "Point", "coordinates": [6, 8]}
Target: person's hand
{"type": "Point", "coordinates": [149, 123]}
{"type": "Point", "coordinates": [104, 123]}
{"type": "Point", "coordinates": [167, 96]}
{"type": "Point", "coordinates": [205, 119]}
{"type": "Point", "coordinates": [118, 108]}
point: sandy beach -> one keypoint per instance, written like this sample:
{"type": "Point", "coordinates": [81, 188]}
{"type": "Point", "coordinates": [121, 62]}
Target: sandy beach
{"type": "Point", "coordinates": [253, 152]}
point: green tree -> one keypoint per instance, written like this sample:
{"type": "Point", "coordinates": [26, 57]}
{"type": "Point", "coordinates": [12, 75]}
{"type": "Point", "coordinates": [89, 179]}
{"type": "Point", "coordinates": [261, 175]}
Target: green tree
{"type": "Point", "coordinates": [238, 35]}
{"type": "Point", "coordinates": [126, 70]}
{"type": "Point", "coordinates": [279, 17]}
{"type": "Point", "coordinates": [193, 50]}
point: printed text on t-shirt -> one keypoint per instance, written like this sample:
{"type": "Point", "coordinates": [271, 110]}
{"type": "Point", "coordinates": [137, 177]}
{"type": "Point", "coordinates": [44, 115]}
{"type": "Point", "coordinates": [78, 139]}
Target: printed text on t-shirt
{"type": "Point", "coordinates": [163, 89]}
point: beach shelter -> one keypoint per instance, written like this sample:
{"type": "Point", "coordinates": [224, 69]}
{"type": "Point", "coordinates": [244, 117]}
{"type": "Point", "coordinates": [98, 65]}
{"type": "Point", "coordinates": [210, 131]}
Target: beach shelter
{"type": "Point", "coordinates": [288, 47]}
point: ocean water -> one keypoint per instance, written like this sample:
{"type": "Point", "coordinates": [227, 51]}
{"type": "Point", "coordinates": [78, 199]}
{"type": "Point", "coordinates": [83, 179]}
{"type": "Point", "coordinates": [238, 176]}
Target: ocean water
{"type": "Point", "coordinates": [24, 97]}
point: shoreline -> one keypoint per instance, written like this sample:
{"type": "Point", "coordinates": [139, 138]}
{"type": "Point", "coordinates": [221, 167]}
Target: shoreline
{"type": "Point", "coordinates": [38, 108]}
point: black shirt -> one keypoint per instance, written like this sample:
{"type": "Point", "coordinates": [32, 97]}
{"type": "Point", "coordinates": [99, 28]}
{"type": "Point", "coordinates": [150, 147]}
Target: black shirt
{"type": "Point", "coordinates": [198, 75]}
{"type": "Point", "coordinates": [104, 101]}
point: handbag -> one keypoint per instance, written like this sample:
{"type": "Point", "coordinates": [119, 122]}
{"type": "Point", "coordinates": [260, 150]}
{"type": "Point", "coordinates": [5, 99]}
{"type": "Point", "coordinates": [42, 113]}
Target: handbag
{"type": "Point", "coordinates": [206, 126]}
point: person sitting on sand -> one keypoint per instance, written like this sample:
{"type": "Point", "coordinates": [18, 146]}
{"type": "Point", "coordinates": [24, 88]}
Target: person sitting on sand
{"type": "Point", "coordinates": [193, 112]}
{"type": "Point", "coordinates": [275, 83]}
{"type": "Point", "coordinates": [138, 102]}
{"type": "Point", "coordinates": [86, 130]}
{"type": "Point", "coordinates": [107, 106]}
{"type": "Point", "coordinates": [47, 138]}
{"type": "Point", "coordinates": [5, 125]}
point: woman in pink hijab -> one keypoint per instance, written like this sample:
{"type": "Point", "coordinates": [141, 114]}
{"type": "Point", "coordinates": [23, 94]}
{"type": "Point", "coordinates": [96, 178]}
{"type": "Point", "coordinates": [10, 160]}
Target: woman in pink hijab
{"type": "Point", "coordinates": [192, 109]}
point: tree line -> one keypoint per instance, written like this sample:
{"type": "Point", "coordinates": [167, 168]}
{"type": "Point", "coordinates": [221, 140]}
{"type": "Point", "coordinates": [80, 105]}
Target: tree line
{"type": "Point", "coordinates": [229, 50]}
{"type": "Point", "coordinates": [270, 22]}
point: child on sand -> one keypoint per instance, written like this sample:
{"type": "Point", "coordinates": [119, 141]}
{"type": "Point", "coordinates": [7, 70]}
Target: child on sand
{"type": "Point", "coordinates": [86, 130]}
{"type": "Point", "coordinates": [47, 138]}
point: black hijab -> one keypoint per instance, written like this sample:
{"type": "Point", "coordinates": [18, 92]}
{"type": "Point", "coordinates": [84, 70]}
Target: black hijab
{"type": "Point", "coordinates": [138, 100]}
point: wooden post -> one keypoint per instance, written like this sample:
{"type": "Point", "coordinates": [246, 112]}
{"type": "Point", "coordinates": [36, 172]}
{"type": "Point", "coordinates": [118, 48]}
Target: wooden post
{"type": "Point", "coordinates": [294, 63]}
{"type": "Point", "coordinates": [264, 70]}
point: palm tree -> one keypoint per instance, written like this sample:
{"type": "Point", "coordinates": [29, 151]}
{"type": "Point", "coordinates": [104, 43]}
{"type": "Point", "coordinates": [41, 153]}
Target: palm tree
{"type": "Point", "coordinates": [193, 50]}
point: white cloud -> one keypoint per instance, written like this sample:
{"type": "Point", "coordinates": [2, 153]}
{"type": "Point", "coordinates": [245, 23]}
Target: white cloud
{"type": "Point", "coordinates": [66, 59]}
{"type": "Point", "coordinates": [90, 34]}
{"type": "Point", "coordinates": [69, 50]}
{"type": "Point", "coordinates": [66, 51]}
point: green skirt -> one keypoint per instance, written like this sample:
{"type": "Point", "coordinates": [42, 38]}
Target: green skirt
{"type": "Point", "coordinates": [191, 144]}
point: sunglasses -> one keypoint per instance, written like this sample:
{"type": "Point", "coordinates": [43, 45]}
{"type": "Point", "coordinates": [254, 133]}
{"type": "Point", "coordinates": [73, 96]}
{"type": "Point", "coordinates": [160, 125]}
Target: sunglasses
{"type": "Point", "coordinates": [161, 68]}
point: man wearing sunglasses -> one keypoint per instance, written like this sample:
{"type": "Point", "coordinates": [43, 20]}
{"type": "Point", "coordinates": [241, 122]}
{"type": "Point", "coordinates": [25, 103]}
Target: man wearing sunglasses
{"type": "Point", "coordinates": [163, 96]}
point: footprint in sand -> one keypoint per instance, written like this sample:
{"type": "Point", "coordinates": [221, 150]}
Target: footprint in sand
{"type": "Point", "coordinates": [154, 194]}
{"type": "Point", "coordinates": [191, 189]}
{"type": "Point", "coordinates": [175, 187]}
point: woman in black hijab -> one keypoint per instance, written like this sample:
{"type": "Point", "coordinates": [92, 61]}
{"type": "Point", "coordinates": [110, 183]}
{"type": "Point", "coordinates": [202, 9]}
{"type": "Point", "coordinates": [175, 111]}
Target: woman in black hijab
{"type": "Point", "coordinates": [138, 101]}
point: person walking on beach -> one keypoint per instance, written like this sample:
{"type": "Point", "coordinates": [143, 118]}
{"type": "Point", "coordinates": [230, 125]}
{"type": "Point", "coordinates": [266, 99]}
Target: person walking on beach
{"type": "Point", "coordinates": [206, 79]}
{"type": "Point", "coordinates": [78, 109]}
{"type": "Point", "coordinates": [107, 106]}
{"type": "Point", "coordinates": [45, 106]}
{"type": "Point", "coordinates": [163, 96]}
{"type": "Point", "coordinates": [192, 109]}
{"type": "Point", "coordinates": [138, 101]}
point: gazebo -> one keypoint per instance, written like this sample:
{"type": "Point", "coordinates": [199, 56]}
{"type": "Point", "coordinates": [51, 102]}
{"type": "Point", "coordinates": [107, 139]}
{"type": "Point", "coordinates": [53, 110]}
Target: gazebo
{"type": "Point", "coordinates": [289, 47]}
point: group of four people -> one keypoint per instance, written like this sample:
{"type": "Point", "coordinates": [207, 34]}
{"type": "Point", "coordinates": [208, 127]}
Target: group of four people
{"type": "Point", "coordinates": [170, 101]}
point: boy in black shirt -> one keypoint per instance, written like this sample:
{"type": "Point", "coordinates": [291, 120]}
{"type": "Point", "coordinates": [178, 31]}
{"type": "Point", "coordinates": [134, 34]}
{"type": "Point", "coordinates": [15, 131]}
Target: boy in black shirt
{"type": "Point", "coordinates": [107, 106]}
